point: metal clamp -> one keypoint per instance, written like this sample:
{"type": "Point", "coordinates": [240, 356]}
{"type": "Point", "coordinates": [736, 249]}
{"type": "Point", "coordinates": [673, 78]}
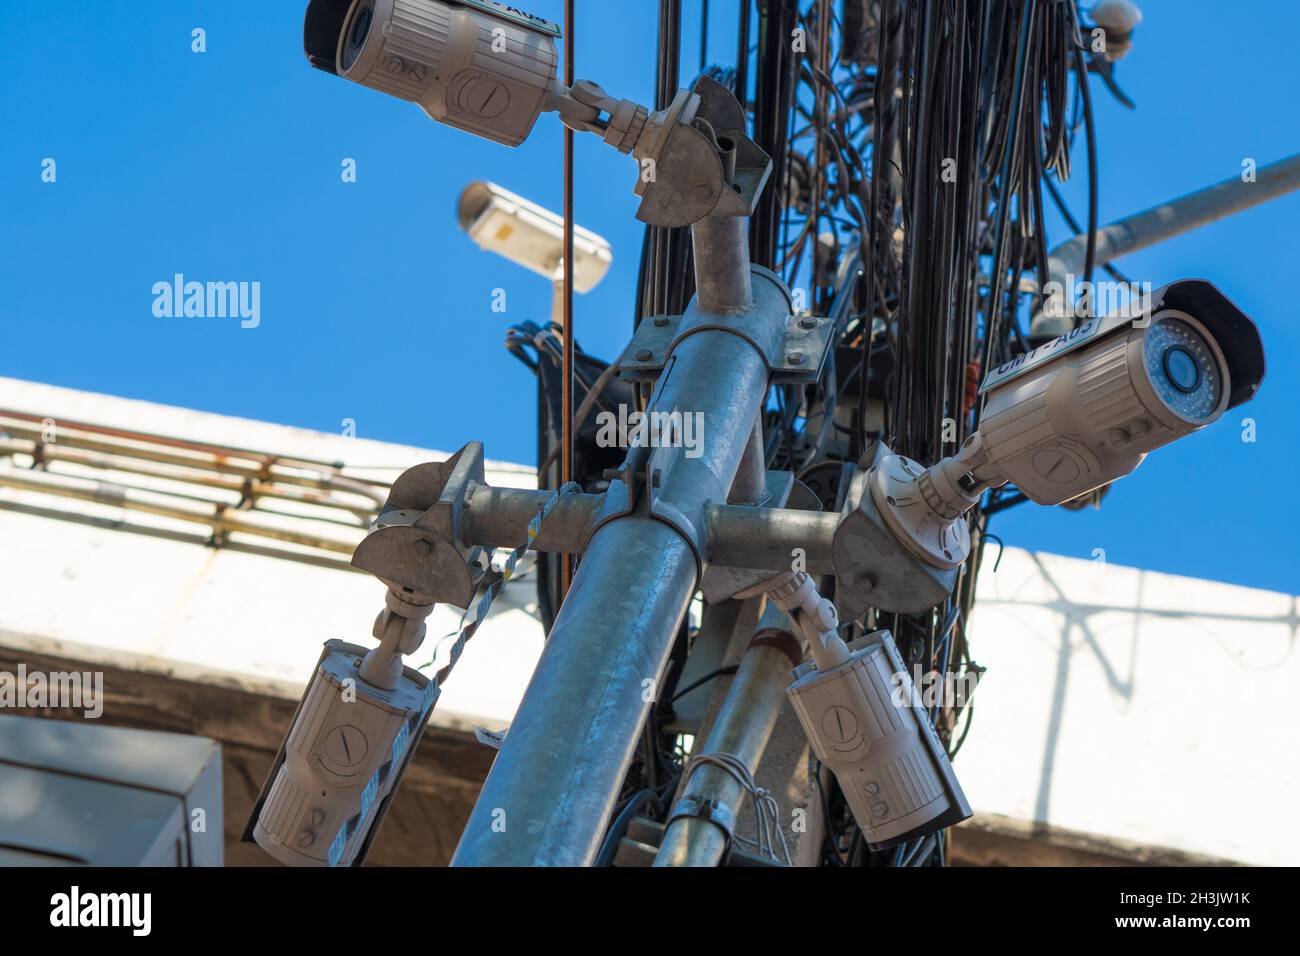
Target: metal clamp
{"type": "Point", "coordinates": [717, 813]}
{"type": "Point", "coordinates": [414, 544]}
{"type": "Point", "coordinates": [793, 352]}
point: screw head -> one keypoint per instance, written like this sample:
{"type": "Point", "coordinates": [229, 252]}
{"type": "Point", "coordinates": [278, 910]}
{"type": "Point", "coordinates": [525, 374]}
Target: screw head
{"type": "Point", "coordinates": [795, 358]}
{"type": "Point", "coordinates": [807, 323]}
{"type": "Point", "coordinates": [660, 321]}
{"type": "Point", "coordinates": [644, 355]}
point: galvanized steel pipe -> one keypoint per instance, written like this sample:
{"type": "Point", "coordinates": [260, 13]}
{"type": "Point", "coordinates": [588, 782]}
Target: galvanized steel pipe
{"type": "Point", "coordinates": [742, 728]}
{"type": "Point", "coordinates": [556, 779]}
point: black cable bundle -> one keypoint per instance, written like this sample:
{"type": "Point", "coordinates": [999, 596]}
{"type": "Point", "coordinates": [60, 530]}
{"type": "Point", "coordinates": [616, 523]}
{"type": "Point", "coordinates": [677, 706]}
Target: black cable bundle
{"type": "Point", "coordinates": [906, 203]}
{"type": "Point", "coordinates": [918, 164]}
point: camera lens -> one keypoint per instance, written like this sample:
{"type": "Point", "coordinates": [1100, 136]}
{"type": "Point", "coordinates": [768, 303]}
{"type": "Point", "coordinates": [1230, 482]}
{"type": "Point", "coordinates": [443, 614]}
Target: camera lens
{"type": "Point", "coordinates": [1183, 369]}
{"type": "Point", "coordinates": [357, 30]}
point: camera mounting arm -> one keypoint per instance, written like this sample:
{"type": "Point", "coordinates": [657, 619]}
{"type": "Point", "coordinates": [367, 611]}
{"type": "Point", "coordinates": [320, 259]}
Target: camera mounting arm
{"type": "Point", "coordinates": [694, 156]}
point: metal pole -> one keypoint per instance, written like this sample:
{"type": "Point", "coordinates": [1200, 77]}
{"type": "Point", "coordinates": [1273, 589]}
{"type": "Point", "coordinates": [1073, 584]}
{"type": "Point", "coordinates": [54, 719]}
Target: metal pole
{"type": "Point", "coordinates": [726, 285]}
{"type": "Point", "coordinates": [742, 728]}
{"type": "Point", "coordinates": [556, 779]}
{"type": "Point", "coordinates": [750, 486]}
{"type": "Point", "coordinates": [1162, 222]}
{"type": "Point", "coordinates": [567, 370]}
{"type": "Point", "coordinates": [557, 776]}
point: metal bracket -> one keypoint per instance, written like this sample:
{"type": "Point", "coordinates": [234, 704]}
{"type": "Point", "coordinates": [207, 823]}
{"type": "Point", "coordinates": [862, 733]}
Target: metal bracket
{"type": "Point", "coordinates": [689, 181]}
{"type": "Point", "coordinates": [414, 544]}
{"type": "Point", "coordinates": [712, 810]}
{"type": "Point", "coordinates": [873, 568]}
{"type": "Point", "coordinates": [794, 356]}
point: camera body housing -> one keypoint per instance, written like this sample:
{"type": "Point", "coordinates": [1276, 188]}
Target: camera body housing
{"type": "Point", "coordinates": [346, 750]}
{"type": "Point", "coordinates": [1079, 412]}
{"type": "Point", "coordinates": [529, 235]}
{"type": "Point", "coordinates": [865, 721]}
{"type": "Point", "coordinates": [478, 65]}
{"type": "Point", "coordinates": [1087, 407]}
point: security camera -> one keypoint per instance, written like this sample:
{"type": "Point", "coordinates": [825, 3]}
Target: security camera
{"type": "Point", "coordinates": [1081, 411]}
{"type": "Point", "coordinates": [1119, 18]}
{"type": "Point", "coordinates": [865, 721]}
{"type": "Point", "coordinates": [863, 717]}
{"type": "Point", "coordinates": [530, 235]}
{"type": "Point", "coordinates": [490, 69]}
{"type": "Point", "coordinates": [477, 65]}
{"type": "Point", "coordinates": [349, 744]}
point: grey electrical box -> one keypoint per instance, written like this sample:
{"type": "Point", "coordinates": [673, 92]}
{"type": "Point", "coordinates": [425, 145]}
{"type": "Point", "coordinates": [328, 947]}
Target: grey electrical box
{"type": "Point", "coordinates": [75, 793]}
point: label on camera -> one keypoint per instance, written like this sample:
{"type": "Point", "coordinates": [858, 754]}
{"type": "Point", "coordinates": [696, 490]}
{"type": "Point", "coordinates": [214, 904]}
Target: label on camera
{"type": "Point", "coordinates": [520, 17]}
{"type": "Point", "coordinates": [491, 738]}
{"type": "Point", "coordinates": [1087, 332]}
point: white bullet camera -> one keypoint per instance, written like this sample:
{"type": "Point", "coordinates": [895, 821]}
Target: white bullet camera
{"type": "Point", "coordinates": [865, 721]}
{"type": "Point", "coordinates": [1080, 411]}
{"type": "Point", "coordinates": [530, 235]}
{"type": "Point", "coordinates": [490, 69]}
{"type": "Point", "coordinates": [478, 65]}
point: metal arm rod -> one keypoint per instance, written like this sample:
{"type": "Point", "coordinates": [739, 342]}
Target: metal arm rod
{"type": "Point", "coordinates": [1164, 221]}
{"type": "Point", "coordinates": [750, 486]}
{"type": "Point", "coordinates": [742, 728]}
{"type": "Point", "coordinates": [737, 536]}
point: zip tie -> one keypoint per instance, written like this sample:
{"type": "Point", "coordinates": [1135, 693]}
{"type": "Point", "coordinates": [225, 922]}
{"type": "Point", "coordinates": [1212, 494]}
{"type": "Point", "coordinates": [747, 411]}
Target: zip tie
{"type": "Point", "coordinates": [479, 612]}
{"type": "Point", "coordinates": [371, 792]}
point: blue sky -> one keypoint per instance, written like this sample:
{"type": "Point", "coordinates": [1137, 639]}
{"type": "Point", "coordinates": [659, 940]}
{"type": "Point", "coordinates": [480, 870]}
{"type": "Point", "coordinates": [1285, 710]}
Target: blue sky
{"type": "Point", "coordinates": [225, 165]}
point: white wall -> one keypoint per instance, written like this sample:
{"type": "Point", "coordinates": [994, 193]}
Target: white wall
{"type": "Point", "coordinates": [1120, 702]}
{"type": "Point", "coordinates": [103, 594]}
{"type": "Point", "coordinates": [1154, 708]}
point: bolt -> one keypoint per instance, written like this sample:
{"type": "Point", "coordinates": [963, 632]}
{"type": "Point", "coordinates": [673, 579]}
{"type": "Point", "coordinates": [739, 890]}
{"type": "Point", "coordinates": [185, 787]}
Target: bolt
{"type": "Point", "coordinates": [808, 323]}
{"type": "Point", "coordinates": [660, 321]}
{"type": "Point", "coordinates": [866, 582]}
{"type": "Point", "coordinates": [644, 355]}
{"type": "Point", "coordinates": [795, 358]}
